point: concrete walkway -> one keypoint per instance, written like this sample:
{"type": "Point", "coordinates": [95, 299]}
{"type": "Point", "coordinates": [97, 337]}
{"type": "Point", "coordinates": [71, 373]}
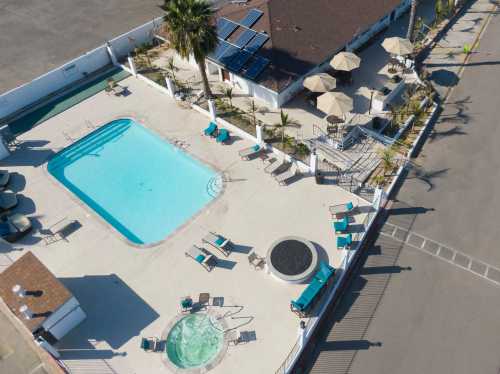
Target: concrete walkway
{"type": "Point", "coordinates": [446, 60]}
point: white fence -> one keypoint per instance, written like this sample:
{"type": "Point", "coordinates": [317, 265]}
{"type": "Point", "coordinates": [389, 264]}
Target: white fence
{"type": "Point", "coordinates": [74, 70]}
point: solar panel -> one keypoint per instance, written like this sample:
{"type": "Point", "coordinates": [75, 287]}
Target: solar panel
{"type": "Point", "coordinates": [244, 38]}
{"type": "Point", "coordinates": [228, 27]}
{"type": "Point", "coordinates": [221, 22]}
{"type": "Point", "coordinates": [239, 60]}
{"type": "Point", "coordinates": [251, 18]}
{"type": "Point", "coordinates": [219, 50]}
{"type": "Point", "coordinates": [228, 55]}
{"type": "Point", "coordinates": [257, 42]}
{"type": "Point", "coordinates": [256, 67]}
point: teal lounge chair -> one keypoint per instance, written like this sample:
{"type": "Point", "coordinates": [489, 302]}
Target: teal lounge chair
{"type": "Point", "coordinates": [211, 129]}
{"type": "Point", "coordinates": [341, 226]}
{"type": "Point", "coordinates": [310, 294]}
{"type": "Point", "coordinates": [202, 256]}
{"type": "Point", "coordinates": [344, 241]}
{"type": "Point", "coordinates": [223, 136]}
{"type": "Point", "coordinates": [247, 153]}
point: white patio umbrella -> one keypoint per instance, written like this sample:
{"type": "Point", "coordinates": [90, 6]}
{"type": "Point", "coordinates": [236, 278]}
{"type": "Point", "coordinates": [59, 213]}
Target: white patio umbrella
{"type": "Point", "coordinates": [345, 61]}
{"type": "Point", "coordinates": [321, 82]}
{"type": "Point", "coordinates": [335, 103]}
{"type": "Point", "coordinates": [398, 46]}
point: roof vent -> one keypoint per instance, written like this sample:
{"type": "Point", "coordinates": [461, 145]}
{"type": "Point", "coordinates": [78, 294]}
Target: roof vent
{"type": "Point", "coordinates": [19, 291]}
{"type": "Point", "coordinates": [27, 313]}
{"type": "Point", "coordinates": [296, 28]}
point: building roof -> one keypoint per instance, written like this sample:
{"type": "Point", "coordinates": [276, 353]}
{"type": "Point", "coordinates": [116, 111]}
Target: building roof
{"type": "Point", "coordinates": [45, 293]}
{"type": "Point", "coordinates": [305, 33]}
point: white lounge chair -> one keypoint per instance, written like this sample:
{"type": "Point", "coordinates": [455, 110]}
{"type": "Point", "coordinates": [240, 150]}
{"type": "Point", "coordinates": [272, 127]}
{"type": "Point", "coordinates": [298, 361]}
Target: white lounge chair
{"type": "Point", "coordinates": [202, 256]}
{"type": "Point", "coordinates": [273, 167]}
{"type": "Point", "coordinates": [219, 242]}
{"type": "Point", "coordinates": [283, 178]}
{"type": "Point", "coordinates": [252, 151]}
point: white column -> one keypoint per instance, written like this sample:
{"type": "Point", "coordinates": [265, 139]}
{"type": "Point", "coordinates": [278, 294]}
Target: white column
{"type": "Point", "coordinates": [4, 151]}
{"type": "Point", "coordinates": [131, 63]}
{"type": "Point", "coordinates": [212, 109]}
{"type": "Point", "coordinates": [170, 86]}
{"type": "Point", "coordinates": [377, 198]}
{"type": "Point", "coordinates": [220, 75]}
{"type": "Point", "coordinates": [111, 54]}
{"type": "Point", "coordinates": [49, 348]}
{"type": "Point", "coordinates": [313, 162]}
{"type": "Point", "coordinates": [302, 334]}
{"type": "Point", "coordinates": [258, 131]}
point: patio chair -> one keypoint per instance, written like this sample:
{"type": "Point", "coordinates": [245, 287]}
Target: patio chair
{"type": "Point", "coordinates": [341, 210]}
{"type": "Point", "coordinates": [61, 230]}
{"type": "Point", "coordinates": [186, 304]}
{"type": "Point", "coordinates": [4, 178]}
{"type": "Point", "coordinates": [150, 344]}
{"type": "Point", "coordinates": [344, 242]}
{"type": "Point", "coordinates": [341, 226]}
{"type": "Point", "coordinates": [202, 256]}
{"type": "Point", "coordinates": [218, 242]}
{"type": "Point", "coordinates": [256, 261]}
{"type": "Point", "coordinates": [211, 129]}
{"type": "Point", "coordinates": [247, 153]}
{"type": "Point", "coordinates": [8, 200]}
{"type": "Point", "coordinates": [14, 227]}
{"type": "Point", "coordinates": [223, 136]}
{"type": "Point", "coordinates": [273, 166]}
{"type": "Point", "coordinates": [283, 178]}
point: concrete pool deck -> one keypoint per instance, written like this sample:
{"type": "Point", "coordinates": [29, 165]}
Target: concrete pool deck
{"type": "Point", "coordinates": [129, 292]}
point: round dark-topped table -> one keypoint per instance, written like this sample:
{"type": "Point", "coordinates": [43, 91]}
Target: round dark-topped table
{"type": "Point", "coordinates": [292, 259]}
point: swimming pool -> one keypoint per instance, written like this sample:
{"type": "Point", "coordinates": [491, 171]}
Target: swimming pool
{"type": "Point", "coordinates": [140, 184]}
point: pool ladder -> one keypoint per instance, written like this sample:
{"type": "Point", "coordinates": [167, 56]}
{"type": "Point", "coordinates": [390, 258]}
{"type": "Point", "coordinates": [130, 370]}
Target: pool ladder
{"type": "Point", "coordinates": [214, 186]}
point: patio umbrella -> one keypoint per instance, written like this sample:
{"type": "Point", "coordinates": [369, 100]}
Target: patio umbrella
{"type": "Point", "coordinates": [321, 82]}
{"type": "Point", "coordinates": [335, 103]}
{"type": "Point", "coordinates": [345, 61]}
{"type": "Point", "coordinates": [398, 46]}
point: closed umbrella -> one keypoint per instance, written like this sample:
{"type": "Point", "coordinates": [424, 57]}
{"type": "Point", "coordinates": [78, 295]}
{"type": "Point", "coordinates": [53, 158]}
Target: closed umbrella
{"type": "Point", "coordinates": [335, 103]}
{"type": "Point", "coordinates": [321, 82]}
{"type": "Point", "coordinates": [398, 46]}
{"type": "Point", "coordinates": [345, 61]}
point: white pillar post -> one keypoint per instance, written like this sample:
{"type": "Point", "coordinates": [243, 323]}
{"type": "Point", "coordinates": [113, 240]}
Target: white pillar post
{"type": "Point", "coordinates": [212, 109]}
{"type": "Point", "coordinates": [258, 132]}
{"type": "Point", "coordinates": [4, 151]}
{"type": "Point", "coordinates": [302, 334]}
{"type": "Point", "coordinates": [221, 78]}
{"type": "Point", "coordinates": [170, 86]}
{"type": "Point", "coordinates": [49, 348]}
{"type": "Point", "coordinates": [313, 162]}
{"type": "Point", "coordinates": [377, 198]}
{"type": "Point", "coordinates": [111, 54]}
{"type": "Point", "coordinates": [131, 64]}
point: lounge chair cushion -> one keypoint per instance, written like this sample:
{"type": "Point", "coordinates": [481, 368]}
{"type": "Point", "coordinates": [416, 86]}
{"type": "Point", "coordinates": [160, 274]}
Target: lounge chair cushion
{"type": "Point", "coordinates": [324, 273]}
{"type": "Point", "coordinates": [256, 147]}
{"type": "Point", "coordinates": [220, 240]}
{"type": "Point", "coordinates": [349, 206]}
{"type": "Point", "coordinates": [200, 258]}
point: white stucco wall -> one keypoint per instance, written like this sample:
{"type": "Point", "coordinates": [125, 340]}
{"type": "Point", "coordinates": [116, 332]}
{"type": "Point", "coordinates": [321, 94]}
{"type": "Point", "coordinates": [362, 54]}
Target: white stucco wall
{"type": "Point", "coordinates": [64, 319]}
{"type": "Point", "coordinates": [74, 70]}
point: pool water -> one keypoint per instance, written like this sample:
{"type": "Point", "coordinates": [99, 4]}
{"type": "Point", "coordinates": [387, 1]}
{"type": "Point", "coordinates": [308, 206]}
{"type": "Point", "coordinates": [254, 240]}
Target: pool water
{"type": "Point", "coordinates": [194, 341]}
{"type": "Point", "coordinates": [140, 184]}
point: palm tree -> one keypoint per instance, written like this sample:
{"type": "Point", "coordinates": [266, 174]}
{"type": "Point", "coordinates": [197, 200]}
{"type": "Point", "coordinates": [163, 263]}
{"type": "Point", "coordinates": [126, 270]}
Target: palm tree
{"type": "Point", "coordinates": [411, 24]}
{"type": "Point", "coordinates": [285, 121]}
{"type": "Point", "coordinates": [192, 32]}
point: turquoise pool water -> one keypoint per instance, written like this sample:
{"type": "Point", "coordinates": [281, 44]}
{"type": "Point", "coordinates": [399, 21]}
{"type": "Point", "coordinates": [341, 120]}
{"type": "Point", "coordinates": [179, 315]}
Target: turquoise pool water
{"type": "Point", "coordinates": [66, 101]}
{"type": "Point", "coordinates": [194, 341]}
{"type": "Point", "coordinates": [143, 186]}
